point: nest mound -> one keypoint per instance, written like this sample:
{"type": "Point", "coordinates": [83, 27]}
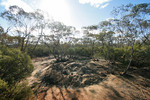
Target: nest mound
{"type": "Point", "coordinates": [74, 74]}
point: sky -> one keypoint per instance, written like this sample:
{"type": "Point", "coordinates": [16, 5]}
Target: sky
{"type": "Point", "coordinates": [77, 13]}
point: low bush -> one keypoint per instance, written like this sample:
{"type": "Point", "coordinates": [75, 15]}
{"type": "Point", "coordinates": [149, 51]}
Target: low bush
{"type": "Point", "coordinates": [14, 65]}
{"type": "Point", "coordinates": [15, 92]}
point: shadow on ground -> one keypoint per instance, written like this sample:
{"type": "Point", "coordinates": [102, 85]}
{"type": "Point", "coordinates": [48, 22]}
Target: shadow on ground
{"type": "Point", "coordinates": [74, 74]}
{"type": "Point", "coordinates": [85, 79]}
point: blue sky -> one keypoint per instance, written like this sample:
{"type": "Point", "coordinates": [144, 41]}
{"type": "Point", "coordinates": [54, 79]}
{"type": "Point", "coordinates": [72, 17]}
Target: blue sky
{"type": "Point", "coordinates": [77, 13]}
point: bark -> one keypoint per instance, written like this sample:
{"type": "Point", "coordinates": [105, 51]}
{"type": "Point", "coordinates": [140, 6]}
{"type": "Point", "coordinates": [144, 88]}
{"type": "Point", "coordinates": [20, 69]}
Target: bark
{"type": "Point", "coordinates": [92, 53]}
{"type": "Point", "coordinates": [26, 43]}
{"type": "Point", "coordinates": [22, 44]}
{"type": "Point", "coordinates": [131, 58]}
{"type": "Point", "coordinates": [38, 40]}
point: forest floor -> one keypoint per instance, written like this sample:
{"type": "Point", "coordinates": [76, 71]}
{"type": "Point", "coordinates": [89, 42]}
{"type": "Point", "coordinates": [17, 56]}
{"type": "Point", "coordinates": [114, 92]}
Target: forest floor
{"type": "Point", "coordinates": [85, 79]}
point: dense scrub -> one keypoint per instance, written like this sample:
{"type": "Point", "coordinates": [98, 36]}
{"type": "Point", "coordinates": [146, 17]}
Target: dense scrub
{"type": "Point", "coordinates": [15, 92]}
{"type": "Point", "coordinates": [140, 58]}
{"type": "Point", "coordinates": [14, 67]}
{"type": "Point", "coordinates": [40, 51]}
{"type": "Point", "coordinates": [124, 39]}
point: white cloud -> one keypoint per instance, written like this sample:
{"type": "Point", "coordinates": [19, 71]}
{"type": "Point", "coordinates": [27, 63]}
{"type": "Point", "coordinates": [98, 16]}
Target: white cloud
{"type": "Point", "coordinates": [20, 3]}
{"type": "Point", "coordinates": [96, 3]}
{"type": "Point", "coordinates": [108, 19]}
{"type": "Point", "coordinates": [105, 5]}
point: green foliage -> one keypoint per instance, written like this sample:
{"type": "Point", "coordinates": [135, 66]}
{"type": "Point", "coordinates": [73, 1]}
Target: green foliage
{"type": "Point", "coordinates": [140, 58]}
{"type": "Point", "coordinates": [71, 51]}
{"type": "Point", "coordinates": [119, 54]}
{"type": "Point", "coordinates": [79, 51]}
{"type": "Point", "coordinates": [141, 55]}
{"type": "Point", "coordinates": [23, 92]}
{"type": "Point", "coordinates": [141, 8]}
{"type": "Point", "coordinates": [40, 51]}
{"type": "Point", "coordinates": [83, 51]}
{"type": "Point", "coordinates": [15, 92]}
{"type": "Point", "coordinates": [14, 65]}
{"type": "Point", "coordinates": [124, 39]}
{"type": "Point", "coordinates": [3, 89]}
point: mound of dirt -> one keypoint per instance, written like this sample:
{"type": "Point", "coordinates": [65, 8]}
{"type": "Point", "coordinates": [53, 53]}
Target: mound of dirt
{"type": "Point", "coordinates": [75, 74]}
{"type": "Point", "coordinates": [112, 88]}
{"type": "Point", "coordinates": [86, 80]}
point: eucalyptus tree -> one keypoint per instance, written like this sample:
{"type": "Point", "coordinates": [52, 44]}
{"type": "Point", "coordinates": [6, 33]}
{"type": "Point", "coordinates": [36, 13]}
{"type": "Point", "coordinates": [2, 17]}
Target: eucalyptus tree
{"type": "Point", "coordinates": [24, 24]}
{"type": "Point", "coordinates": [106, 37]}
{"type": "Point", "coordinates": [142, 13]}
{"type": "Point", "coordinates": [89, 38]}
{"type": "Point", "coordinates": [40, 28]}
{"type": "Point", "coordinates": [5, 39]}
{"type": "Point", "coordinates": [132, 24]}
{"type": "Point", "coordinates": [59, 36]}
{"type": "Point", "coordinates": [1, 33]}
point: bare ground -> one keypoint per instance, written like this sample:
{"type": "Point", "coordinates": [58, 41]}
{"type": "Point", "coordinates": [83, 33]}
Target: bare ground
{"type": "Point", "coordinates": [86, 80]}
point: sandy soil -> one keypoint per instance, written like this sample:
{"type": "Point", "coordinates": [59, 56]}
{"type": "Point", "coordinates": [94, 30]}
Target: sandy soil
{"type": "Point", "coordinates": [110, 87]}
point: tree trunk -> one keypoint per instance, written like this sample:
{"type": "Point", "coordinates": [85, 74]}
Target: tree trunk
{"type": "Point", "coordinates": [22, 44]}
{"type": "Point", "coordinates": [36, 44]}
{"type": "Point", "coordinates": [92, 53]}
{"type": "Point", "coordinates": [26, 44]}
{"type": "Point", "coordinates": [38, 40]}
{"type": "Point", "coordinates": [132, 51]}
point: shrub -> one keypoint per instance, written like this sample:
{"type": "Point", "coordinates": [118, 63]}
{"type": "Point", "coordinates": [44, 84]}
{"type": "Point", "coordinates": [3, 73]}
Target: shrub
{"type": "Point", "coordinates": [15, 92]}
{"type": "Point", "coordinates": [40, 51]}
{"type": "Point", "coordinates": [141, 55]}
{"type": "Point", "coordinates": [14, 65]}
{"type": "Point", "coordinates": [84, 51]}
